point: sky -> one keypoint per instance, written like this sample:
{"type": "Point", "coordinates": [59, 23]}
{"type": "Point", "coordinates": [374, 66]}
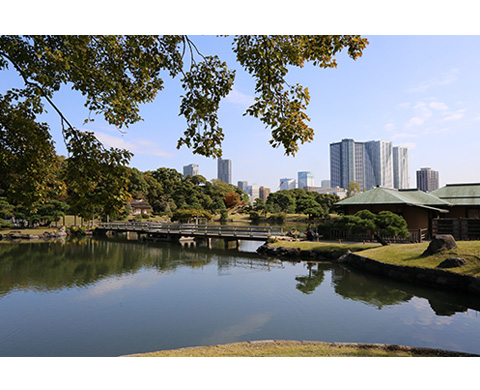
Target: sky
{"type": "Point", "coordinates": [419, 91]}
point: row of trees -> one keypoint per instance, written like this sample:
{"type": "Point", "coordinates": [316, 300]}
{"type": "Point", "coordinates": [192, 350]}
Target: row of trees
{"type": "Point", "coordinates": [298, 201]}
{"type": "Point", "coordinates": [166, 190]}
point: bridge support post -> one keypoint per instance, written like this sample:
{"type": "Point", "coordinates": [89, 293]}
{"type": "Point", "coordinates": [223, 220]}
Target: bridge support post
{"type": "Point", "coordinates": [231, 244]}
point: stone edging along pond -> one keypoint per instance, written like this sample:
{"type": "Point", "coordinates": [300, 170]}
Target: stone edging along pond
{"type": "Point", "coordinates": [424, 276]}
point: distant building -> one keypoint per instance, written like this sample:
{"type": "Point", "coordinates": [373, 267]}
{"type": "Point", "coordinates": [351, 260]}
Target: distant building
{"type": "Point", "coordinates": [287, 184]}
{"type": "Point", "coordinates": [305, 179]}
{"type": "Point", "coordinates": [224, 170]}
{"type": "Point", "coordinates": [427, 180]}
{"type": "Point", "coordinates": [253, 192]}
{"type": "Point", "coordinates": [191, 169]}
{"type": "Point", "coordinates": [340, 192]}
{"type": "Point", "coordinates": [140, 206]}
{"type": "Point", "coordinates": [242, 185]}
{"type": "Point", "coordinates": [325, 183]}
{"type": "Point", "coordinates": [264, 192]}
{"type": "Point", "coordinates": [369, 164]}
{"type": "Point", "coordinates": [401, 176]}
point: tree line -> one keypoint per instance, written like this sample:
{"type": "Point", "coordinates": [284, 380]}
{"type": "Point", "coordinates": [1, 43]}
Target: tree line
{"type": "Point", "coordinates": [165, 189]}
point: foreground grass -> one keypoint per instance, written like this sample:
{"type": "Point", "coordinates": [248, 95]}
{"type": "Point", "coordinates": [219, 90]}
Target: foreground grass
{"type": "Point", "coordinates": [411, 255]}
{"type": "Point", "coordinates": [282, 348]}
{"type": "Point", "coordinates": [324, 246]}
{"type": "Point", "coordinates": [38, 231]}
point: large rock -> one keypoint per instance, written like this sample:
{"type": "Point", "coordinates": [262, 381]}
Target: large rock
{"type": "Point", "coordinates": [440, 243]}
{"type": "Point", "coordinates": [452, 262]}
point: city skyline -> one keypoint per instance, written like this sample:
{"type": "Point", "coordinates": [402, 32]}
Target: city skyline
{"type": "Point", "coordinates": [415, 91]}
{"type": "Point", "coordinates": [370, 164]}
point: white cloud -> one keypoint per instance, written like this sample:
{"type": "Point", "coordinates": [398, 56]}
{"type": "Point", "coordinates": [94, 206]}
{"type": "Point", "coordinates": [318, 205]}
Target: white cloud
{"type": "Point", "coordinates": [459, 114]}
{"type": "Point", "coordinates": [403, 135]}
{"type": "Point", "coordinates": [415, 121]}
{"type": "Point", "coordinates": [389, 126]}
{"type": "Point", "coordinates": [438, 106]}
{"type": "Point", "coordinates": [237, 97]}
{"type": "Point", "coordinates": [137, 146]}
{"type": "Point", "coordinates": [445, 79]}
{"type": "Point", "coordinates": [410, 145]}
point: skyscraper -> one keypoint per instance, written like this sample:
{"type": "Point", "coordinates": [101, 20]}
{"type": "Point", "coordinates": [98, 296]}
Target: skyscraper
{"type": "Point", "coordinates": [287, 184]}
{"type": "Point", "coordinates": [191, 169]}
{"type": "Point", "coordinates": [401, 176]}
{"type": "Point", "coordinates": [224, 170]}
{"type": "Point", "coordinates": [305, 179]}
{"type": "Point", "coordinates": [242, 185]}
{"type": "Point", "coordinates": [264, 192]}
{"type": "Point", "coordinates": [427, 180]}
{"type": "Point", "coordinates": [369, 164]}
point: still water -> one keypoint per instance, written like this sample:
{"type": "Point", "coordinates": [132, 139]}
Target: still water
{"type": "Point", "coordinates": [100, 297]}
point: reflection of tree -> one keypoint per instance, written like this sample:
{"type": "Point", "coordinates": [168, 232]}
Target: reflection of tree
{"type": "Point", "coordinates": [442, 308]}
{"type": "Point", "coordinates": [379, 292]}
{"type": "Point", "coordinates": [360, 287]}
{"type": "Point", "coordinates": [308, 284]}
{"type": "Point", "coordinates": [81, 262]}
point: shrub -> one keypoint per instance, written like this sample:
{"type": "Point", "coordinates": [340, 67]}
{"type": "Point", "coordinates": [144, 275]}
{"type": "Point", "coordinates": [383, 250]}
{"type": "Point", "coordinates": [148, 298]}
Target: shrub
{"type": "Point", "coordinates": [77, 230]}
{"type": "Point", "coordinates": [278, 217]}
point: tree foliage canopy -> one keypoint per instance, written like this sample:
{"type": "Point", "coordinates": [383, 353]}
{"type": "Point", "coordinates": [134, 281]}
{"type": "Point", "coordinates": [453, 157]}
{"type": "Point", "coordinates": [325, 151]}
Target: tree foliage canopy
{"type": "Point", "coordinates": [383, 224]}
{"type": "Point", "coordinates": [118, 73]}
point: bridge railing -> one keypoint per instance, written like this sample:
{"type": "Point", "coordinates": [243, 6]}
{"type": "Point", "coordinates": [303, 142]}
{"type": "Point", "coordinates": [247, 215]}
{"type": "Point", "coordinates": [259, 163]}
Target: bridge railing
{"type": "Point", "coordinates": [195, 229]}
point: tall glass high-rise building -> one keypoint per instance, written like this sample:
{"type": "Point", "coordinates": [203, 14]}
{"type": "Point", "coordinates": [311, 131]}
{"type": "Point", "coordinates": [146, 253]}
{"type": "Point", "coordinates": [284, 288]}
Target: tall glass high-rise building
{"type": "Point", "coordinates": [191, 169]}
{"type": "Point", "coordinates": [287, 184]}
{"type": "Point", "coordinates": [401, 174]}
{"type": "Point", "coordinates": [370, 164]}
{"type": "Point", "coordinates": [427, 180]}
{"type": "Point", "coordinates": [224, 170]}
{"type": "Point", "coordinates": [305, 179]}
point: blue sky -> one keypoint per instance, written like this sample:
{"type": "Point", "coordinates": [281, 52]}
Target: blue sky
{"type": "Point", "coordinates": [418, 91]}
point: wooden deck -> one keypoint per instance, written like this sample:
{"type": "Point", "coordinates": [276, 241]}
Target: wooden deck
{"type": "Point", "coordinates": [227, 232]}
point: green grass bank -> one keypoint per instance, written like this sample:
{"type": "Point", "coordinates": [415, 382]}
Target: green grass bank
{"type": "Point", "coordinates": [283, 348]}
{"type": "Point", "coordinates": [409, 255]}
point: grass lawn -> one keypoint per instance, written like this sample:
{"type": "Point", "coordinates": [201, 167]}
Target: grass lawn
{"type": "Point", "coordinates": [38, 231]}
{"type": "Point", "coordinates": [402, 254]}
{"type": "Point", "coordinates": [410, 255]}
{"type": "Point", "coordinates": [298, 349]}
{"type": "Point", "coordinates": [324, 246]}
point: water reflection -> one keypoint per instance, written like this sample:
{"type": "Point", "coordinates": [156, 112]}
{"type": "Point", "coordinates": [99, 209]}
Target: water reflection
{"type": "Point", "coordinates": [380, 292]}
{"type": "Point", "coordinates": [84, 262]}
{"type": "Point", "coordinates": [308, 284]}
{"type": "Point", "coordinates": [49, 266]}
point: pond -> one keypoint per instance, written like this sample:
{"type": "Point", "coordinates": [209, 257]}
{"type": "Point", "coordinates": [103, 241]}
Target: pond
{"type": "Point", "coordinates": [106, 297]}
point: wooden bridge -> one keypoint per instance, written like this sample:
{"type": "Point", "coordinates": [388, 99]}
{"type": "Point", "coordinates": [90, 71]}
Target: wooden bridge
{"type": "Point", "coordinates": [172, 231]}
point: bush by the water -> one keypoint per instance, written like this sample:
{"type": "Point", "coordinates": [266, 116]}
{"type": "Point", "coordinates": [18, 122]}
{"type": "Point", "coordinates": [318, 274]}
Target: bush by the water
{"type": "Point", "coordinates": [278, 217]}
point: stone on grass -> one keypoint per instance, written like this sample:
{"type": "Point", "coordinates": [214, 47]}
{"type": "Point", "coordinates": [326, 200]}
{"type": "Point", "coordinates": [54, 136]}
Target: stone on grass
{"type": "Point", "coordinates": [440, 243]}
{"type": "Point", "coordinates": [452, 262]}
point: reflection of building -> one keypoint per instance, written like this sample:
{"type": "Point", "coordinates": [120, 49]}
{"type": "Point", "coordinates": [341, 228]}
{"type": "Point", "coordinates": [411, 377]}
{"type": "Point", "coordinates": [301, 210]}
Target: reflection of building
{"type": "Point", "coordinates": [264, 192]}
{"type": "Point", "coordinates": [191, 169]}
{"type": "Point", "coordinates": [224, 170]}
{"type": "Point", "coordinates": [140, 206]}
{"type": "Point", "coordinates": [427, 180]}
{"type": "Point", "coordinates": [287, 184]}
{"type": "Point", "coordinates": [305, 179]}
